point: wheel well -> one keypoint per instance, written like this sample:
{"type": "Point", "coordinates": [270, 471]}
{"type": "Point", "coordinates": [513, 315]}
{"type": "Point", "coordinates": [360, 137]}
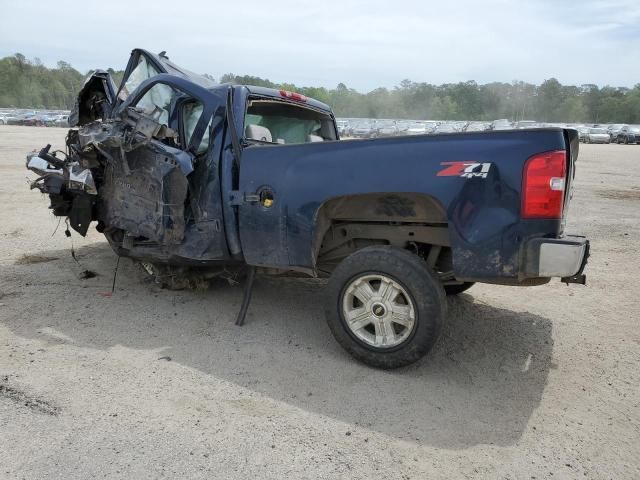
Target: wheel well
{"type": "Point", "coordinates": [407, 220]}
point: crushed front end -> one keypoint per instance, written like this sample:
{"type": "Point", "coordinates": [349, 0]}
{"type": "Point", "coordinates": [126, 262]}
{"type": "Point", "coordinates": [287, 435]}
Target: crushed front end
{"type": "Point", "coordinates": [125, 176]}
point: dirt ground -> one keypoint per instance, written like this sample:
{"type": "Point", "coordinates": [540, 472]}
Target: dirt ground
{"type": "Point", "coordinates": [525, 383]}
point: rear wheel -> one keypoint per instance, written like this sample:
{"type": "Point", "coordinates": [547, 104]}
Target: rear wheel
{"type": "Point", "coordinates": [385, 306]}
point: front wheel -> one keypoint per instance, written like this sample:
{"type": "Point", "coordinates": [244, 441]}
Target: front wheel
{"type": "Point", "coordinates": [385, 306]}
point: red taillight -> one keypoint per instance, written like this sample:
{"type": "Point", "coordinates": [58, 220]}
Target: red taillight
{"type": "Point", "coordinates": [298, 97]}
{"type": "Point", "coordinates": [543, 185]}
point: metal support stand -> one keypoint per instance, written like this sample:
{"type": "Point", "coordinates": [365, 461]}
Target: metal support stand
{"type": "Point", "coordinates": [248, 289]}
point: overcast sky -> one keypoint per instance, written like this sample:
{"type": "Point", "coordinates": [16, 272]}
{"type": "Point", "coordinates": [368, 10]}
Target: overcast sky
{"type": "Point", "coordinates": [364, 44]}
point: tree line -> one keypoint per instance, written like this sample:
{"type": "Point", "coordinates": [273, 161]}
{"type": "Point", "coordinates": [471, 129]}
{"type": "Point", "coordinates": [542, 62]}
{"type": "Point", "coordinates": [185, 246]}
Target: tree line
{"type": "Point", "coordinates": [28, 83]}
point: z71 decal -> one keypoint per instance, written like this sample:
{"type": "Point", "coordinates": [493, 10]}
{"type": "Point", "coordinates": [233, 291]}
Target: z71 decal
{"type": "Point", "coordinates": [465, 169]}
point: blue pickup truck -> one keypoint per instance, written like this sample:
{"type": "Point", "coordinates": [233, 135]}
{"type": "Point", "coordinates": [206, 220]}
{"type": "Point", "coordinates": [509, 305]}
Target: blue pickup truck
{"type": "Point", "coordinates": [200, 180]}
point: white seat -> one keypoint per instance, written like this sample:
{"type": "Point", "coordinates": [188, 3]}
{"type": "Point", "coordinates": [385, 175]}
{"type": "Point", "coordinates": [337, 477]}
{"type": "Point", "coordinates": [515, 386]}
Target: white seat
{"type": "Point", "coordinates": [314, 138]}
{"type": "Point", "coordinates": [256, 132]}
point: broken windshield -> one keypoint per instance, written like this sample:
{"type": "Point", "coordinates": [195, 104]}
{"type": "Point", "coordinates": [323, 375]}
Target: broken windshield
{"type": "Point", "coordinates": [143, 71]}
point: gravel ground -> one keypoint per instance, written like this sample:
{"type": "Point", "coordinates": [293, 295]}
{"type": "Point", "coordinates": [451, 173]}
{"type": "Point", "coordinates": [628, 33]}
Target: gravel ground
{"type": "Point", "coordinates": [525, 383]}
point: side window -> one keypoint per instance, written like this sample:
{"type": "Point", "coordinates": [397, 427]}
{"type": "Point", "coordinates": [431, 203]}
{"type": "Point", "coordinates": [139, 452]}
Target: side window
{"type": "Point", "coordinates": [191, 113]}
{"type": "Point", "coordinates": [156, 103]}
{"type": "Point", "coordinates": [142, 71]}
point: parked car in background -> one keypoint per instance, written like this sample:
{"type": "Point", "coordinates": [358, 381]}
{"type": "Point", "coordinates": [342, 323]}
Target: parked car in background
{"type": "Point", "coordinates": [343, 127]}
{"type": "Point", "coordinates": [18, 118]}
{"type": "Point", "coordinates": [598, 135]}
{"type": "Point", "coordinates": [363, 130]}
{"type": "Point", "coordinates": [61, 121]}
{"type": "Point", "coordinates": [34, 120]}
{"type": "Point", "coordinates": [49, 120]}
{"type": "Point", "coordinates": [614, 130]}
{"type": "Point", "coordinates": [501, 124]}
{"type": "Point", "coordinates": [388, 130]}
{"type": "Point", "coordinates": [446, 128]}
{"type": "Point", "coordinates": [583, 133]}
{"type": "Point", "coordinates": [25, 117]}
{"type": "Point", "coordinates": [628, 134]}
{"type": "Point", "coordinates": [526, 124]}
{"type": "Point", "coordinates": [420, 128]}
{"type": "Point", "coordinates": [477, 127]}
{"type": "Point", "coordinates": [402, 127]}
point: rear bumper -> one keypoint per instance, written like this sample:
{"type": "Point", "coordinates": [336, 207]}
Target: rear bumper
{"type": "Point", "coordinates": [557, 257]}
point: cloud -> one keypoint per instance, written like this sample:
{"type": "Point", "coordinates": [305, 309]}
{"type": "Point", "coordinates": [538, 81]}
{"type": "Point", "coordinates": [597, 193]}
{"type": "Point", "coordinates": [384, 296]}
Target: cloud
{"type": "Point", "coordinates": [364, 44]}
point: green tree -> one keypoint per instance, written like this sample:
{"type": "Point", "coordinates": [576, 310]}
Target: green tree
{"type": "Point", "coordinates": [26, 83]}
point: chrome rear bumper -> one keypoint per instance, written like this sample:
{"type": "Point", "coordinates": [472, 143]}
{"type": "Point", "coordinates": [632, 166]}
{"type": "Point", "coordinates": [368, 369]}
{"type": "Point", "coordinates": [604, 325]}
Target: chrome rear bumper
{"type": "Point", "coordinates": [557, 257]}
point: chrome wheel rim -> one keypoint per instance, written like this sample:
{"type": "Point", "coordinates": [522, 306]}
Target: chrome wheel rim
{"type": "Point", "coordinates": [378, 311]}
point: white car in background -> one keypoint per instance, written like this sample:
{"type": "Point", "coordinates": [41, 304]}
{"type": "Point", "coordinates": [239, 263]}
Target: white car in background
{"type": "Point", "coordinates": [598, 135]}
{"type": "Point", "coordinates": [420, 128]}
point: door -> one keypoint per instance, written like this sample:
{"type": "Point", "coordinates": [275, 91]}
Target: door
{"type": "Point", "coordinates": [282, 140]}
{"type": "Point", "coordinates": [160, 195]}
{"type": "Point", "coordinates": [263, 209]}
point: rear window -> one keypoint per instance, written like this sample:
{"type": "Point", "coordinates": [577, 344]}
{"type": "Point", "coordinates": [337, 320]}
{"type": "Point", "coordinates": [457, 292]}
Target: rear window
{"type": "Point", "coordinates": [597, 130]}
{"type": "Point", "coordinates": [273, 121]}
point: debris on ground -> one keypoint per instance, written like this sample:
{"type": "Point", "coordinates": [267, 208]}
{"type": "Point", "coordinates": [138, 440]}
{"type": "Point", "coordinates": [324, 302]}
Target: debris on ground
{"type": "Point", "coordinates": [31, 259]}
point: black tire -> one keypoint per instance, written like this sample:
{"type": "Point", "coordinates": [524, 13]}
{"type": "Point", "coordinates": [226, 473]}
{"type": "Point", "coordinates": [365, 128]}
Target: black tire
{"type": "Point", "coordinates": [416, 278]}
{"type": "Point", "coordinates": [457, 289]}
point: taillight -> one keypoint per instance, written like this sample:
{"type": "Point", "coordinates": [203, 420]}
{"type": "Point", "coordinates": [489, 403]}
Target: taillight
{"type": "Point", "coordinates": [298, 97]}
{"type": "Point", "coordinates": [543, 185]}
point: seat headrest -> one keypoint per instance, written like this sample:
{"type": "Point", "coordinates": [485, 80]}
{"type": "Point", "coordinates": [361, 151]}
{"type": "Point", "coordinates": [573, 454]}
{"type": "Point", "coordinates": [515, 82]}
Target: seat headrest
{"type": "Point", "coordinates": [256, 132]}
{"type": "Point", "coordinates": [315, 138]}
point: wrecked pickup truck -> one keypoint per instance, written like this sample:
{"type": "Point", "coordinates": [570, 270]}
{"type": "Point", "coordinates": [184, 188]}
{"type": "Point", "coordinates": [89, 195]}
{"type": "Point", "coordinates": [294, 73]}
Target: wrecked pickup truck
{"type": "Point", "coordinates": [197, 179]}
